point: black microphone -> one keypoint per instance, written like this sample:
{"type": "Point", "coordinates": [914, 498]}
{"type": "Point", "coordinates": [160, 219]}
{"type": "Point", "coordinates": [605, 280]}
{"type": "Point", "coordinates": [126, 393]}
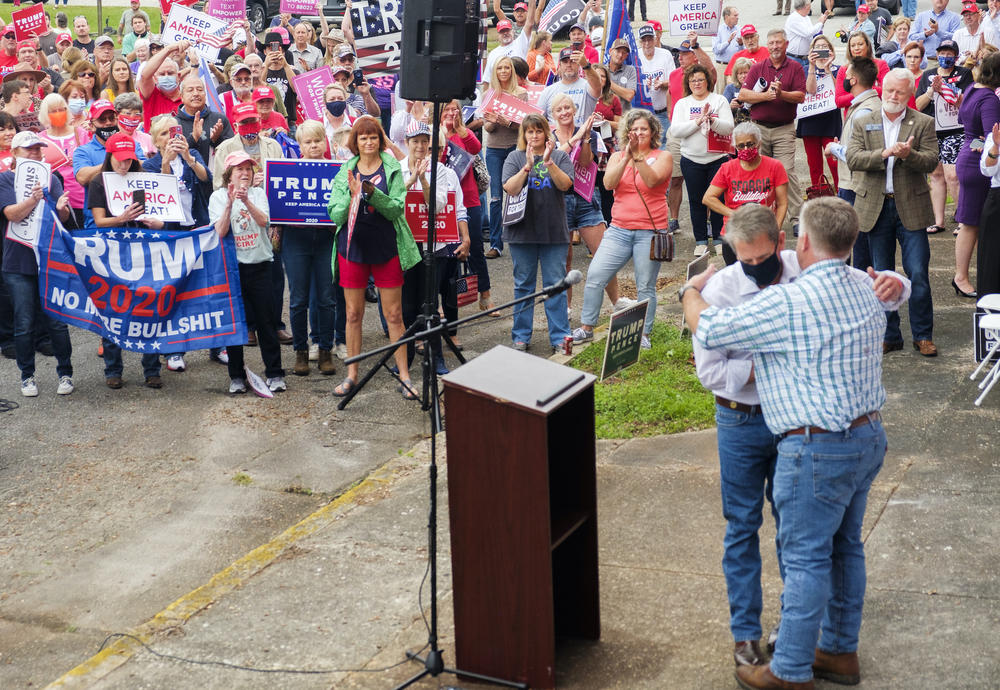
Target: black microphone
{"type": "Point", "coordinates": [571, 279]}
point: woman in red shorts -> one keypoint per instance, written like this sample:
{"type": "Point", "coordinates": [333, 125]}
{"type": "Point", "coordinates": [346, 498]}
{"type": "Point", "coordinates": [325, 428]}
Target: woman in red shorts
{"type": "Point", "coordinates": [380, 243]}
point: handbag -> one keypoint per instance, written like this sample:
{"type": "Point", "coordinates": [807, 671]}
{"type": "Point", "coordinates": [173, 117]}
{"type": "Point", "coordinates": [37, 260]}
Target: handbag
{"type": "Point", "coordinates": [465, 286]}
{"type": "Point", "coordinates": [824, 188]}
{"type": "Point", "coordinates": [481, 173]}
{"type": "Point", "coordinates": [661, 244]}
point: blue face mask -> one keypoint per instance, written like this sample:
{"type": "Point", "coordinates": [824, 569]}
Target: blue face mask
{"type": "Point", "coordinates": [764, 273]}
{"type": "Point", "coordinates": [167, 84]}
{"type": "Point", "coordinates": [336, 108]}
{"type": "Point", "coordinates": [946, 61]}
{"type": "Point", "coordinates": [76, 105]}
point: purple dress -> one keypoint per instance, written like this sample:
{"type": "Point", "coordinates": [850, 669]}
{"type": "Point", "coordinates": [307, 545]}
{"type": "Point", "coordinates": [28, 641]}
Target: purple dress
{"type": "Point", "coordinates": [979, 110]}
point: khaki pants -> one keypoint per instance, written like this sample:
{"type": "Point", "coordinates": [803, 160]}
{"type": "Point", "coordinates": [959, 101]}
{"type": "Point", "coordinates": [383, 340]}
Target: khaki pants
{"type": "Point", "coordinates": [779, 143]}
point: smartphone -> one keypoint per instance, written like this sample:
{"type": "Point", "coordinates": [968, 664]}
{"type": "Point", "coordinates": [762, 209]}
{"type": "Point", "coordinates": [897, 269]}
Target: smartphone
{"type": "Point", "coordinates": [359, 77]}
{"type": "Point", "coordinates": [176, 132]}
{"type": "Point", "coordinates": [139, 197]}
{"type": "Point", "coordinates": [823, 53]}
{"type": "Point", "coordinates": [275, 45]}
{"type": "Point", "coordinates": [577, 45]}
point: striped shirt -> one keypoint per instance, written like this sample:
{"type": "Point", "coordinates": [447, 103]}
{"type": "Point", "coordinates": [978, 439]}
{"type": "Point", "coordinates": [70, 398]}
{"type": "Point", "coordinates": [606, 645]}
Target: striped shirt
{"type": "Point", "coordinates": [817, 346]}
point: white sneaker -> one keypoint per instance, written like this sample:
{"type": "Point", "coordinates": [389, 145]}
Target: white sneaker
{"type": "Point", "coordinates": [224, 356]}
{"type": "Point", "coordinates": [700, 250]}
{"type": "Point", "coordinates": [237, 386]}
{"type": "Point", "coordinates": [314, 352]}
{"type": "Point", "coordinates": [65, 386]}
{"type": "Point", "coordinates": [341, 351]}
{"type": "Point", "coordinates": [623, 303]}
{"type": "Point", "coordinates": [277, 384]}
{"type": "Point", "coordinates": [644, 344]}
{"type": "Point", "coordinates": [581, 335]}
{"type": "Point", "coordinates": [175, 363]}
{"type": "Point", "coordinates": [28, 388]}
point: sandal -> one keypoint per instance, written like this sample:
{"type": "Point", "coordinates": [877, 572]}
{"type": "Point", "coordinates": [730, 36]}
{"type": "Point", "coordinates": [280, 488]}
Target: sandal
{"type": "Point", "coordinates": [934, 229]}
{"type": "Point", "coordinates": [406, 389]}
{"type": "Point", "coordinates": [486, 306]}
{"type": "Point", "coordinates": [345, 387]}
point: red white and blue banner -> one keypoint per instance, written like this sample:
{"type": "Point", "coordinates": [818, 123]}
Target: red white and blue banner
{"type": "Point", "coordinates": [559, 14]}
{"type": "Point", "coordinates": [618, 26]}
{"type": "Point", "coordinates": [378, 33]}
{"type": "Point", "coordinates": [298, 191]}
{"type": "Point", "coordinates": [145, 290]}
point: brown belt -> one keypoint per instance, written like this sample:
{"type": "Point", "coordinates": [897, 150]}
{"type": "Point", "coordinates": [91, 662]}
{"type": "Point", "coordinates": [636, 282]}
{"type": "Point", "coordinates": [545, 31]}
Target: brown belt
{"type": "Point", "coordinates": [863, 419]}
{"type": "Point", "coordinates": [738, 406]}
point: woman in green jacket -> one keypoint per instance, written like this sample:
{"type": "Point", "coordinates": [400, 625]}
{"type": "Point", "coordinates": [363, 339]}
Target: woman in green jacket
{"type": "Point", "coordinates": [378, 244]}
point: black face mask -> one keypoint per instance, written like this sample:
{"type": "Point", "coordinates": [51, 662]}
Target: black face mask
{"type": "Point", "coordinates": [336, 108]}
{"type": "Point", "coordinates": [764, 273]}
{"type": "Point", "coordinates": [106, 132]}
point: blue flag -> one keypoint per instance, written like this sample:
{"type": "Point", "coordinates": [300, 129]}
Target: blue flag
{"type": "Point", "coordinates": [619, 26]}
{"type": "Point", "coordinates": [211, 92]}
{"type": "Point", "coordinates": [145, 290]}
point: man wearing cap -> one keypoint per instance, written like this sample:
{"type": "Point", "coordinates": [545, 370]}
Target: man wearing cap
{"type": "Point", "coordinates": [139, 29]}
{"type": "Point", "coordinates": [126, 20]}
{"type": "Point", "coordinates": [509, 45]}
{"type": "Point", "coordinates": [279, 73]}
{"type": "Point", "coordinates": [773, 109]}
{"type": "Point", "coordinates": [241, 87]}
{"type": "Point", "coordinates": [304, 54]}
{"type": "Point", "coordinates": [20, 272]}
{"type": "Point", "coordinates": [578, 35]}
{"type": "Point", "coordinates": [583, 92]}
{"type": "Point", "coordinates": [256, 65]}
{"type": "Point", "coordinates": [363, 92]}
{"type": "Point", "coordinates": [623, 77]}
{"type": "Point", "coordinates": [83, 41]}
{"type": "Point", "coordinates": [655, 65]}
{"type": "Point", "coordinates": [158, 82]}
{"type": "Point", "coordinates": [727, 41]}
{"type": "Point", "coordinates": [89, 158]}
{"type": "Point", "coordinates": [935, 25]}
{"type": "Point", "coordinates": [8, 50]}
{"type": "Point", "coordinates": [203, 127]}
{"type": "Point", "coordinates": [971, 37]}
{"type": "Point", "coordinates": [271, 121]}
{"type": "Point", "coordinates": [800, 30]}
{"type": "Point", "coordinates": [520, 15]}
{"type": "Point", "coordinates": [104, 53]}
{"type": "Point", "coordinates": [63, 41]}
{"type": "Point", "coordinates": [751, 47]}
{"type": "Point", "coordinates": [248, 140]}
{"type": "Point", "coordinates": [27, 55]}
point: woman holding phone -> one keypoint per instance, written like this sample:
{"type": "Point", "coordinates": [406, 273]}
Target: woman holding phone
{"type": "Point", "coordinates": [816, 131]}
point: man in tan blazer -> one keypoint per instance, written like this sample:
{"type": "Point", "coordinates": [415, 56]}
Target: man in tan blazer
{"type": "Point", "coordinates": [890, 153]}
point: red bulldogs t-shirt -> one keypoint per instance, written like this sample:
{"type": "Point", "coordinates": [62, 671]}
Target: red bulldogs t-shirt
{"type": "Point", "coordinates": [750, 186]}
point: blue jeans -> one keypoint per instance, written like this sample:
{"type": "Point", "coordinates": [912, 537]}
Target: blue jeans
{"type": "Point", "coordinates": [114, 366]}
{"type": "Point", "coordinates": [6, 316]}
{"type": "Point", "coordinates": [616, 248]}
{"type": "Point", "coordinates": [801, 61]}
{"type": "Point", "coordinates": [527, 258]}
{"type": "Point", "coordinates": [24, 297]}
{"type": "Point", "coordinates": [747, 455]}
{"type": "Point", "coordinates": [308, 253]}
{"type": "Point", "coordinates": [697, 178]}
{"type": "Point", "coordinates": [494, 163]}
{"type": "Point", "coordinates": [909, 8]}
{"type": "Point", "coordinates": [916, 252]}
{"type": "Point", "coordinates": [477, 260]}
{"type": "Point", "coordinates": [821, 485]}
{"type": "Point", "coordinates": [664, 119]}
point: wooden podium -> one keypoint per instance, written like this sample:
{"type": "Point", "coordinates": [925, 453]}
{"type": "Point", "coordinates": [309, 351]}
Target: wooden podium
{"type": "Point", "coordinates": [522, 496]}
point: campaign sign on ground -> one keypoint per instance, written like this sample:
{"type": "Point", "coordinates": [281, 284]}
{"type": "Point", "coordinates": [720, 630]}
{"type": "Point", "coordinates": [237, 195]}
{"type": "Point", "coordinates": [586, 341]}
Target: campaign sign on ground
{"type": "Point", "coordinates": [621, 349]}
{"type": "Point", "coordinates": [163, 196]}
{"type": "Point", "coordinates": [700, 16]}
{"type": "Point", "coordinates": [228, 10]}
{"type": "Point", "coordinates": [378, 32]}
{"type": "Point", "coordinates": [185, 24]}
{"type": "Point", "coordinates": [309, 88]}
{"type": "Point", "coordinates": [445, 219]}
{"type": "Point", "coordinates": [509, 106]}
{"type": "Point", "coordinates": [27, 175]}
{"type": "Point", "coordinates": [820, 102]}
{"type": "Point", "coordinates": [298, 191]}
{"type": "Point", "coordinates": [29, 22]}
{"type": "Point", "coordinates": [145, 290]}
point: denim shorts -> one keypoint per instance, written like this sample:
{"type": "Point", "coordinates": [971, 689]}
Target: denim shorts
{"type": "Point", "coordinates": [581, 213]}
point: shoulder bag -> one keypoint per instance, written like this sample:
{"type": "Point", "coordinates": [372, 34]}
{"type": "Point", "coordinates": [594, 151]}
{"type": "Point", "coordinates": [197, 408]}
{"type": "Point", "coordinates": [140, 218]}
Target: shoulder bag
{"type": "Point", "coordinates": [661, 244]}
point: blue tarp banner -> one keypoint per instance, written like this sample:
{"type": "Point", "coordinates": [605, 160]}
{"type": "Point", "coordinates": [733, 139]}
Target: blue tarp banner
{"type": "Point", "coordinates": [145, 290]}
{"type": "Point", "coordinates": [298, 191]}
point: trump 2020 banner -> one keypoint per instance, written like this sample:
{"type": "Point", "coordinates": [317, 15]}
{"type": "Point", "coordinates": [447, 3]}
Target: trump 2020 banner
{"type": "Point", "coordinates": [298, 191]}
{"type": "Point", "coordinates": [378, 32]}
{"type": "Point", "coordinates": [145, 290]}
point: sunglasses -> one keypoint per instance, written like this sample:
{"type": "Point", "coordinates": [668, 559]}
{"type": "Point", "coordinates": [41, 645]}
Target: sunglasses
{"type": "Point", "coordinates": [10, 35]}
{"type": "Point", "coordinates": [91, 75]}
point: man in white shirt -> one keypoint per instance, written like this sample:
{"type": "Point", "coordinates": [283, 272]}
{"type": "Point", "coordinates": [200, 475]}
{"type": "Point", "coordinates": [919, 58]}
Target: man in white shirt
{"type": "Point", "coordinates": [583, 92]}
{"type": "Point", "coordinates": [655, 65]}
{"type": "Point", "coordinates": [727, 42]}
{"type": "Point", "coordinates": [509, 46]}
{"type": "Point", "coordinates": [800, 31]}
{"type": "Point", "coordinates": [971, 37]}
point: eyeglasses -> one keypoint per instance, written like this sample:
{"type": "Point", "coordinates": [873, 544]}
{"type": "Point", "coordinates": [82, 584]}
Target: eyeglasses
{"type": "Point", "coordinates": [90, 75]}
{"type": "Point", "coordinates": [745, 145]}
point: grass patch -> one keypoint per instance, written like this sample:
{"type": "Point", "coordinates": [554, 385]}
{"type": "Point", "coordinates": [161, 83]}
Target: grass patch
{"type": "Point", "coordinates": [659, 394]}
{"type": "Point", "coordinates": [242, 479]}
{"type": "Point", "coordinates": [110, 15]}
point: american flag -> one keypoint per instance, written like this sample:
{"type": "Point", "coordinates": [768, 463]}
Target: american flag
{"type": "Point", "coordinates": [618, 26]}
{"type": "Point", "coordinates": [377, 37]}
{"type": "Point", "coordinates": [220, 40]}
{"type": "Point", "coordinates": [560, 13]}
{"type": "Point", "coordinates": [211, 92]}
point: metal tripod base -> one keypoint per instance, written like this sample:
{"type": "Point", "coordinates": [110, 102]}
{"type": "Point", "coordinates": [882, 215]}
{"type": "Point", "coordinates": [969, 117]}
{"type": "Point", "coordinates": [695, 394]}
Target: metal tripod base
{"type": "Point", "coordinates": [434, 667]}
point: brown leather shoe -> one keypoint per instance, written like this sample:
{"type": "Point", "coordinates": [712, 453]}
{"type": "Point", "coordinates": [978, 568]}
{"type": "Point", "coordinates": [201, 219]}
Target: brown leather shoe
{"type": "Point", "coordinates": [747, 653]}
{"type": "Point", "coordinates": [284, 337]}
{"type": "Point", "coordinates": [154, 382]}
{"type": "Point", "coordinates": [326, 366]}
{"type": "Point", "coordinates": [837, 668]}
{"type": "Point", "coordinates": [301, 363]}
{"type": "Point", "coordinates": [761, 678]}
{"type": "Point", "coordinates": [888, 347]}
{"type": "Point", "coordinates": [925, 347]}
{"type": "Point", "coordinates": [114, 382]}
{"type": "Point", "coordinates": [251, 339]}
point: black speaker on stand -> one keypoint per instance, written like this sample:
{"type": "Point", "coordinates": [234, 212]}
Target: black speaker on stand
{"type": "Point", "coordinates": [440, 55]}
